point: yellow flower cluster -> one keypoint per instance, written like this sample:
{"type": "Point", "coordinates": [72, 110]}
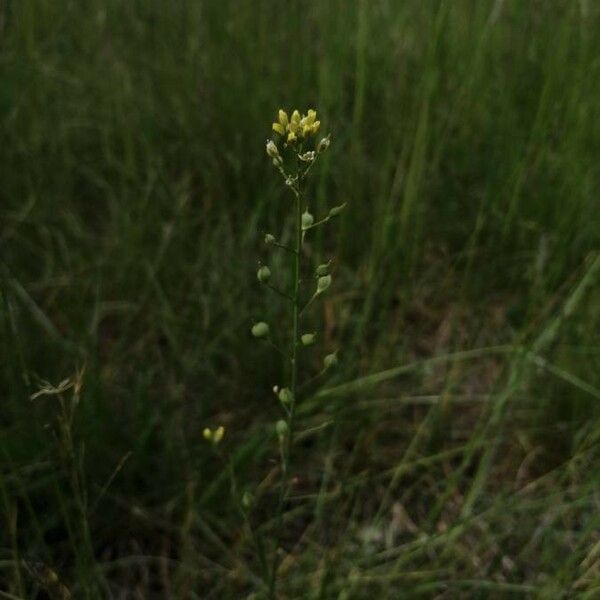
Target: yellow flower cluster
{"type": "Point", "coordinates": [296, 126]}
{"type": "Point", "coordinates": [214, 436]}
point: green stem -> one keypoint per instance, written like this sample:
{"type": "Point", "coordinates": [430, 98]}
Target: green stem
{"type": "Point", "coordinates": [296, 321]}
{"type": "Point", "coordinates": [286, 447]}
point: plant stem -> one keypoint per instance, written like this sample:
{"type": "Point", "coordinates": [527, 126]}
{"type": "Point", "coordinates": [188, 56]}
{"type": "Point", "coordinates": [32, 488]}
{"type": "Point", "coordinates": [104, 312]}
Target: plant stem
{"type": "Point", "coordinates": [286, 447]}
{"type": "Point", "coordinates": [296, 322]}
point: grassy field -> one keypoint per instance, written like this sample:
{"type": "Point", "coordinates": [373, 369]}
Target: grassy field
{"type": "Point", "coordinates": [455, 451]}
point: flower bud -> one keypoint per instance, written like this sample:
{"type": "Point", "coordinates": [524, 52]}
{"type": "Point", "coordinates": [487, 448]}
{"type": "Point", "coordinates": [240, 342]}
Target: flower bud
{"type": "Point", "coordinates": [207, 434]}
{"type": "Point", "coordinates": [323, 283]}
{"type": "Point", "coordinates": [285, 396]}
{"type": "Point", "coordinates": [281, 427]}
{"type": "Point", "coordinates": [263, 274]}
{"type": "Point", "coordinates": [331, 360]}
{"type": "Point", "coordinates": [307, 219]}
{"type": "Point", "coordinates": [260, 330]}
{"type": "Point", "coordinates": [323, 144]}
{"type": "Point", "coordinates": [283, 118]}
{"type": "Point", "coordinates": [272, 149]}
{"type": "Point", "coordinates": [336, 210]}
{"type": "Point", "coordinates": [308, 339]}
{"type": "Point", "coordinates": [269, 239]}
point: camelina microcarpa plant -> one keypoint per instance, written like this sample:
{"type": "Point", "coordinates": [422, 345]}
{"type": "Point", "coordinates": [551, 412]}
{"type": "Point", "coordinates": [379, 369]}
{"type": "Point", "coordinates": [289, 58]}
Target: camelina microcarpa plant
{"type": "Point", "coordinates": [294, 149]}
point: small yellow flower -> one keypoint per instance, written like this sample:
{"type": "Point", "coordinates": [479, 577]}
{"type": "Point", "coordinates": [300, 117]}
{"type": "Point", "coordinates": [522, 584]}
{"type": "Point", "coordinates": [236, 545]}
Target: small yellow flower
{"type": "Point", "coordinates": [219, 433]}
{"type": "Point", "coordinates": [214, 436]}
{"type": "Point", "coordinates": [294, 128]}
{"type": "Point", "coordinates": [283, 118]}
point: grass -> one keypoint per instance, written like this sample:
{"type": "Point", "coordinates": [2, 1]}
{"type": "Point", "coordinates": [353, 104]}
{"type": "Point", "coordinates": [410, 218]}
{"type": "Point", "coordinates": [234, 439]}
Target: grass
{"type": "Point", "coordinates": [455, 452]}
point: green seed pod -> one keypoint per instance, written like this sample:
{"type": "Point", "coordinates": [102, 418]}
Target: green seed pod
{"type": "Point", "coordinates": [307, 219]}
{"type": "Point", "coordinates": [263, 274]}
{"type": "Point", "coordinates": [260, 330]}
{"type": "Point", "coordinates": [269, 239]}
{"type": "Point", "coordinates": [308, 339]}
{"type": "Point", "coordinates": [330, 361]}
{"type": "Point", "coordinates": [336, 210]}
{"type": "Point", "coordinates": [323, 283]}
{"type": "Point", "coordinates": [322, 270]}
{"type": "Point", "coordinates": [285, 396]}
{"type": "Point", "coordinates": [247, 499]}
{"type": "Point", "coordinates": [281, 427]}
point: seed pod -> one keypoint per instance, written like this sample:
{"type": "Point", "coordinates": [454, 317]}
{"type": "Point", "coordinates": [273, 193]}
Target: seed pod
{"type": "Point", "coordinates": [323, 283]}
{"type": "Point", "coordinates": [281, 427]}
{"type": "Point", "coordinates": [269, 239]}
{"type": "Point", "coordinates": [331, 360]}
{"type": "Point", "coordinates": [260, 330]}
{"type": "Point", "coordinates": [323, 269]}
{"type": "Point", "coordinates": [336, 210]}
{"type": "Point", "coordinates": [207, 434]}
{"type": "Point", "coordinates": [247, 499]}
{"type": "Point", "coordinates": [307, 219]}
{"type": "Point", "coordinates": [263, 274]}
{"type": "Point", "coordinates": [308, 339]}
{"type": "Point", "coordinates": [285, 396]}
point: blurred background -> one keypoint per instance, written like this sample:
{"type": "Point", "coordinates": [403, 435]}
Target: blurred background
{"type": "Point", "coordinates": [455, 450]}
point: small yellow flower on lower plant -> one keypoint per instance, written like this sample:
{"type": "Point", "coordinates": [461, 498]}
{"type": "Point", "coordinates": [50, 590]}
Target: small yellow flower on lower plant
{"type": "Point", "coordinates": [219, 433]}
{"type": "Point", "coordinates": [213, 436]}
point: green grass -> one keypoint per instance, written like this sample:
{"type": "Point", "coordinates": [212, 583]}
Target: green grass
{"type": "Point", "coordinates": [455, 453]}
